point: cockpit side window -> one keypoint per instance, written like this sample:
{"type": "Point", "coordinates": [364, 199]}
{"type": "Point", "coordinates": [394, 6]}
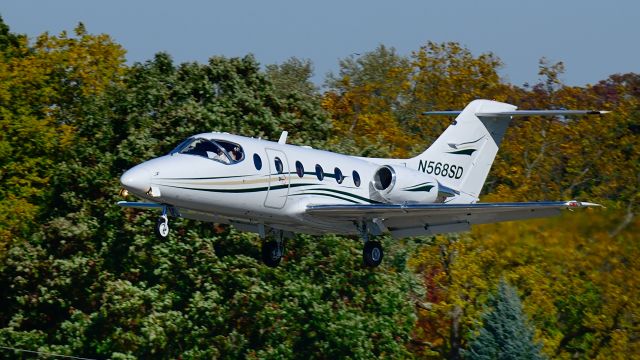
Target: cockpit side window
{"type": "Point", "coordinates": [223, 151]}
{"type": "Point", "coordinates": [205, 148]}
{"type": "Point", "coordinates": [234, 150]}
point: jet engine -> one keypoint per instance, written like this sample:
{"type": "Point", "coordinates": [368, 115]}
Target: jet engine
{"type": "Point", "coordinates": [398, 184]}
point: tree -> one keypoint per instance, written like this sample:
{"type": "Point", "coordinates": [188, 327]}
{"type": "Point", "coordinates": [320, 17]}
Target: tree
{"type": "Point", "coordinates": [505, 333]}
{"type": "Point", "coordinates": [8, 40]}
{"type": "Point", "coordinates": [44, 89]}
{"type": "Point", "coordinates": [363, 100]}
{"type": "Point", "coordinates": [377, 98]}
{"type": "Point", "coordinates": [292, 78]}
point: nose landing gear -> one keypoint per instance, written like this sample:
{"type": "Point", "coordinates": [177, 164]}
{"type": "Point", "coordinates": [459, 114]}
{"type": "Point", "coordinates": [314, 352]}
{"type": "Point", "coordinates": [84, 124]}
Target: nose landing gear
{"type": "Point", "coordinates": [162, 227]}
{"type": "Point", "coordinates": [162, 224]}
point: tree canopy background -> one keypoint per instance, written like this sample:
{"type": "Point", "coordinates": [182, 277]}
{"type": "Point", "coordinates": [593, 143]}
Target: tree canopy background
{"type": "Point", "coordinates": [80, 276]}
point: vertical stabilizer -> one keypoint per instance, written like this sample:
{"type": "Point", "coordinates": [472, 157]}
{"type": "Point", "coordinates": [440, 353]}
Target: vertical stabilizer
{"type": "Point", "coordinates": [462, 156]}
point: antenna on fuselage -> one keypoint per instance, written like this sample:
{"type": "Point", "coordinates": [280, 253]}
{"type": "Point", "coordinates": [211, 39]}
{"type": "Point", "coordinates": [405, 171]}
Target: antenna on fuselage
{"type": "Point", "coordinates": [283, 138]}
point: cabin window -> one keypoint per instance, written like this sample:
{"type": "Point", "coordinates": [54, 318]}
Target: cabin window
{"type": "Point", "coordinates": [299, 169]}
{"type": "Point", "coordinates": [257, 161]}
{"type": "Point", "coordinates": [206, 148]}
{"type": "Point", "coordinates": [356, 178]}
{"type": "Point", "coordinates": [319, 172]}
{"type": "Point", "coordinates": [279, 166]}
{"type": "Point", "coordinates": [338, 175]}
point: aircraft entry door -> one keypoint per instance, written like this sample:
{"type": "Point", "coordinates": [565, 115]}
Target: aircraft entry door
{"type": "Point", "coordinates": [278, 179]}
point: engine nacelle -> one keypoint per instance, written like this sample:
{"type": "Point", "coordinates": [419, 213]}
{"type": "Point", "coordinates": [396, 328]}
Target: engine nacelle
{"type": "Point", "coordinates": [398, 184]}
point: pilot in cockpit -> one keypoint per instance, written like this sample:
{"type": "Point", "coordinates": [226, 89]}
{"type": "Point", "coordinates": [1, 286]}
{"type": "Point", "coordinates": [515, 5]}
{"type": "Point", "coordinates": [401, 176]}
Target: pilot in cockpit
{"type": "Point", "coordinates": [236, 154]}
{"type": "Point", "coordinates": [219, 155]}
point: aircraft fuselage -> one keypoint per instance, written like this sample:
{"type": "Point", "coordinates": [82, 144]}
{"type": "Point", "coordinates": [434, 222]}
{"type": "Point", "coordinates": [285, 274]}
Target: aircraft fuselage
{"type": "Point", "coordinates": [271, 184]}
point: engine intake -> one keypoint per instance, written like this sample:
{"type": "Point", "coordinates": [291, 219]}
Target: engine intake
{"type": "Point", "coordinates": [398, 184]}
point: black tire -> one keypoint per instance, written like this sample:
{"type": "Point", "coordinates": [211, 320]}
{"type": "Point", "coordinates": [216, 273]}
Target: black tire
{"type": "Point", "coordinates": [162, 229]}
{"type": "Point", "coordinates": [372, 253]}
{"type": "Point", "coordinates": [271, 255]}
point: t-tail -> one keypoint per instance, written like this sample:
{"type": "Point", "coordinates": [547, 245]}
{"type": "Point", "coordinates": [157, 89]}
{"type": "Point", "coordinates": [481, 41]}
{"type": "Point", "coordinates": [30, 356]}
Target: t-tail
{"type": "Point", "coordinates": [462, 156]}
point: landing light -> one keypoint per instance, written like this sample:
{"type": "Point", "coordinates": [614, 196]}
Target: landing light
{"type": "Point", "coordinates": [124, 192]}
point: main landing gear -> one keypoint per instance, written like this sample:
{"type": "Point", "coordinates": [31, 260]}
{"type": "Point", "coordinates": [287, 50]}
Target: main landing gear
{"type": "Point", "coordinates": [272, 249]}
{"type": "Point", "coordinates": [372, 252]}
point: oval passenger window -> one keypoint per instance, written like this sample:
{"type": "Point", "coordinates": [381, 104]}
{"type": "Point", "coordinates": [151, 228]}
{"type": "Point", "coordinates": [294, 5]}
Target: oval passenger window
{"type": "Point", "coordinates": [257, 161]}
{"type": "Point", "coordinates": [356, 178]}
{"type": "Point", "coordinates": [299, 169]}
{"type": "Point", "coordinates": [319, 172]}
{"type": "Point", "coordinates": [338, 174]}
{"type": "Point", "coordinates": [278, 163]}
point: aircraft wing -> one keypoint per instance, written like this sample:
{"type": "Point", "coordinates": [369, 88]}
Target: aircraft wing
{"type": "Point", "coordinates": [430, 219]}
{"type": "Point", "coordinates": [142, 205]}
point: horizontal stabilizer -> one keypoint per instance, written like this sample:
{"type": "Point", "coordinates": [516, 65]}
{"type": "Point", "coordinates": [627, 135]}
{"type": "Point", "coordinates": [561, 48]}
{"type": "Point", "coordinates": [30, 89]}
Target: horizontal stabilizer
{"type": "Point", "coordinates": [542, 113]}
{"type": "Point", "coordinates": [521, 113]}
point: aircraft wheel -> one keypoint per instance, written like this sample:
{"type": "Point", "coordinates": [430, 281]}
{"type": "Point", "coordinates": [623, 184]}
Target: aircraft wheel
{"type": "Point", "coordinates": [271, 253]}
{"type": "Point", "coordinates": [162, 228]}
{"type": "Point", "coordinates": [372, 253]}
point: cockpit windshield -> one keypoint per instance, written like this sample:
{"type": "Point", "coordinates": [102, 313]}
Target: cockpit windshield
{"type": "Point", "coordinates": [218, 150]}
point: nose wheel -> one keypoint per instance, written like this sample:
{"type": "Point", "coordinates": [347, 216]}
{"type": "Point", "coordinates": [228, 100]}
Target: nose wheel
{"type": "Point", "coordinates": [162, 225]}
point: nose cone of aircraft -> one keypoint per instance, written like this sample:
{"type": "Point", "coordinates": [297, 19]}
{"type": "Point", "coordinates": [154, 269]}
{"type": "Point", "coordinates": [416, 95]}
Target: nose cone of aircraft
{"type": "Point", "coordinates": [137, 180]}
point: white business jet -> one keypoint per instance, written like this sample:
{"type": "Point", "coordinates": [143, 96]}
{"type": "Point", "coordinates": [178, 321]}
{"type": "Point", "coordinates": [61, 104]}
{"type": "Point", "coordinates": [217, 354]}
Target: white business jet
{"type": "Point", "coordinates": [276, 189]}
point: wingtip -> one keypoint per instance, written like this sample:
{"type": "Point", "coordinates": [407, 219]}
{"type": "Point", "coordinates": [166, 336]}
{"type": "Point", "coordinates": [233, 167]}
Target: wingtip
{"type": "Point", "coordinates": [572, 204]}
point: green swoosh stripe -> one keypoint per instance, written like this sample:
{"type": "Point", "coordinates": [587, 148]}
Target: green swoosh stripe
{"type": "Point", "coordinates": [245, 190]}
{"type": "Point", "coordinates": [426, 188]}
{"type": "Point", "coordinates": [462, 152]}
{"type": "Point", "coordinates": [328, 195]}
{"type": "Point", "coordinates": [408, 188]}
{"type": "Point", "coordinates": [348, 194]}
{"type": "Point", "coordinates": [207, 178]}
{"type": "Point", "coordinates": [349, 197]}
{"type": "Point", "coordinates": [471, 142]}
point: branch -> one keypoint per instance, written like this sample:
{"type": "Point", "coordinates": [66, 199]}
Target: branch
{"type": "Point", "coordinates": [628, 218]}
{"type": "Point", "coordinates": [422, 343]}
{"type": "Point", "coordinates": [424, 305]}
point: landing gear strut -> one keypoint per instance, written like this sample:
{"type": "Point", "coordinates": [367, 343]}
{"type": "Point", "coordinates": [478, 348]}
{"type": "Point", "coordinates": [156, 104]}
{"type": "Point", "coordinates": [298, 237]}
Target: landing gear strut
{"type": "Point", "coordinates": [272, 250]}
{"type": "Point", "coordinates": [372, 252]}
{"type": "Point", "coordinates": [162, 225]}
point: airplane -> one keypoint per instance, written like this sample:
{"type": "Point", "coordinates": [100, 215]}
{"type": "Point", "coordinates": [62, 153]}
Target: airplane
{"type": "Point", "coordinates": [276, 189]}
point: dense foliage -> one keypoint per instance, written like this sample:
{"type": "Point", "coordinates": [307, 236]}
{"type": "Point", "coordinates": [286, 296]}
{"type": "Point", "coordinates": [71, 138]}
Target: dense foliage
{"type": "Point", "coordinates": [80, 276]}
